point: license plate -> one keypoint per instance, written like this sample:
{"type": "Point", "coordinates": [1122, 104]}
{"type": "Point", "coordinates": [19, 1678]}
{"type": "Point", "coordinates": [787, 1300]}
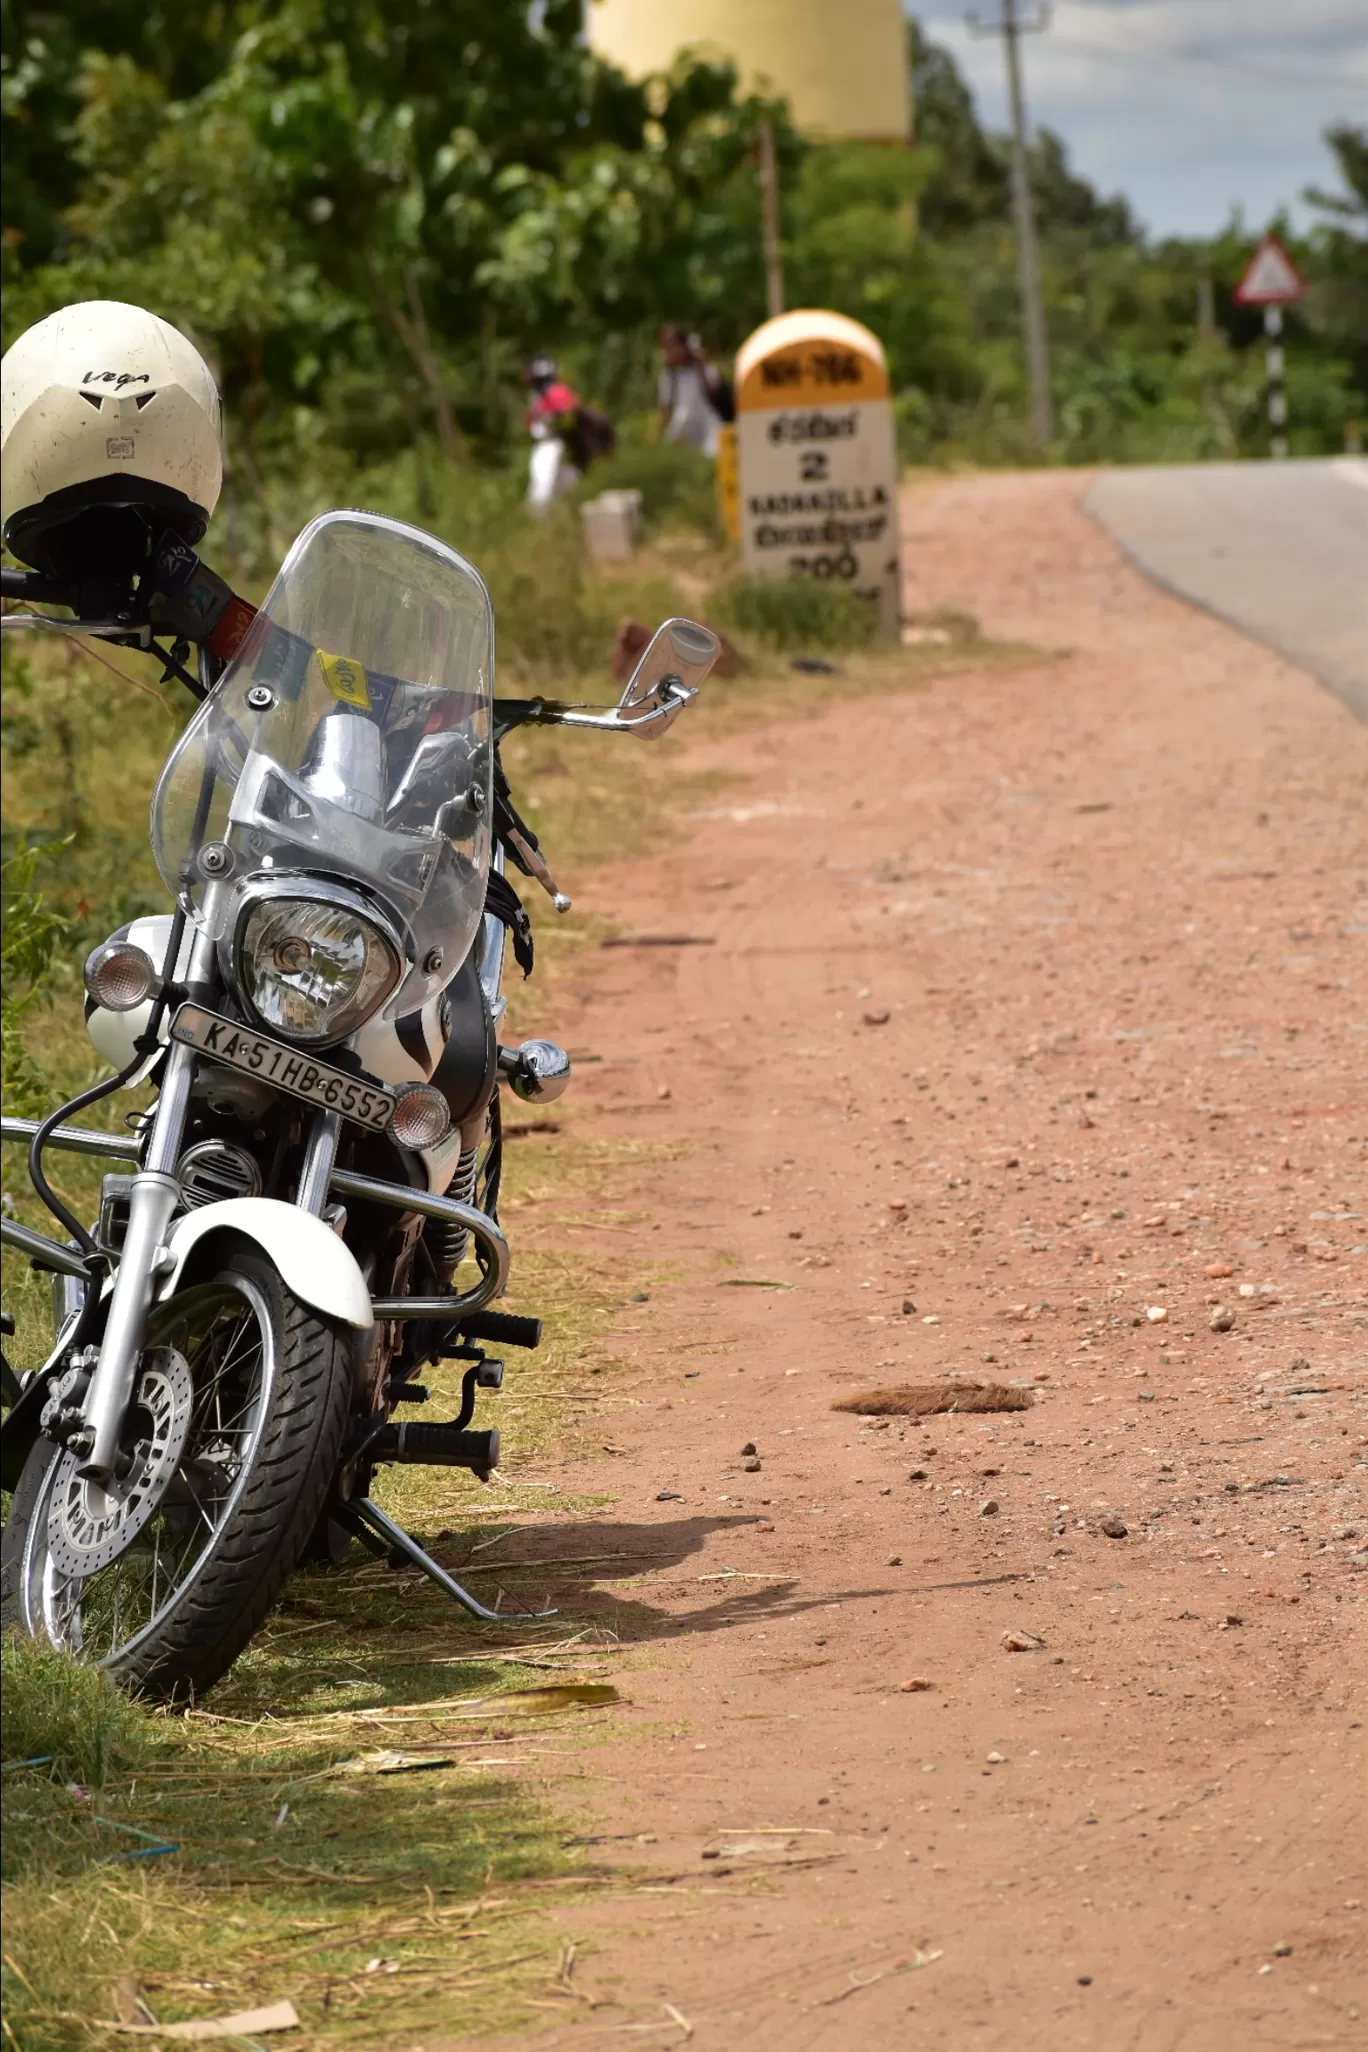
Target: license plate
{"type": "Point", "coordinates": [284, 1068]}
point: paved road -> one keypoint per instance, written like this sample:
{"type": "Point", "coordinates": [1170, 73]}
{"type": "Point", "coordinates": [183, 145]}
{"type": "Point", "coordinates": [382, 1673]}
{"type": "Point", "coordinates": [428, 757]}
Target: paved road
{"type": "Point", "coordinates": [1278, 549]}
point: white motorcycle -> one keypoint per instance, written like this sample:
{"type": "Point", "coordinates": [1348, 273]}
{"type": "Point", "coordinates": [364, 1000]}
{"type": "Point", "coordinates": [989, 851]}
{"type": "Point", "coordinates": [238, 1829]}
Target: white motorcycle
{"type": "Point", "coordinates": [308, 1212]}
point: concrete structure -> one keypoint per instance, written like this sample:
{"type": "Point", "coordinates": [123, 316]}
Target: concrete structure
{"type": "Point", "coordinates": [818, 466]}
{"type": "Point", "coordinates": [842, 69]}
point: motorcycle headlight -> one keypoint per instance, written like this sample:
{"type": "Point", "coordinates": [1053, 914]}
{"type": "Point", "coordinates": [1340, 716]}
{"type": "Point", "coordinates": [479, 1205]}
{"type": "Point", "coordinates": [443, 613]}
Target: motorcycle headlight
{"type": "Point", "coordinates": [313, 969]}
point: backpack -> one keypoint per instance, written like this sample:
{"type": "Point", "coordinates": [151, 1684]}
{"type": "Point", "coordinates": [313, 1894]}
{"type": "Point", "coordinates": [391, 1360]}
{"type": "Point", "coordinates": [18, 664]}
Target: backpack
{"type": "Point", "coordinates": [592, 436]}
{"type": "Point", "coordinates": [721, 395]}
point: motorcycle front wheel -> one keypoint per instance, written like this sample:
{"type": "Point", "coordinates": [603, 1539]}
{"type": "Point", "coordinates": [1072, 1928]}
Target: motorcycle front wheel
{"type": "Point", "coordinates": [232, 1441]}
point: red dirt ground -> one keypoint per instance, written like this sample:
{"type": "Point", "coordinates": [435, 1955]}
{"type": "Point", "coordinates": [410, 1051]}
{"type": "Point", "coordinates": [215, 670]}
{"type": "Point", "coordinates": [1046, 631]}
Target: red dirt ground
{"type": "Point", "coordinates": [1035, 1009]}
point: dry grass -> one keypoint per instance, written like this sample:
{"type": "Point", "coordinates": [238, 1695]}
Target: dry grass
{"type": "Point", "coordinates": [926, 1400]}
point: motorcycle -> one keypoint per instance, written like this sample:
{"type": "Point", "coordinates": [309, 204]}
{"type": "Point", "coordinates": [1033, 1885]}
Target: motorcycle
{"type": "Point", "coordinates": [308, 1212]}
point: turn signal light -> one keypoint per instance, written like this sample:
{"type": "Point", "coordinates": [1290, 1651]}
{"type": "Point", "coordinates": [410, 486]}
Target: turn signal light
{"type": "Point", "coordinates": [421, 1118]}
{"type": "Point", "coordinates": [119, 976]}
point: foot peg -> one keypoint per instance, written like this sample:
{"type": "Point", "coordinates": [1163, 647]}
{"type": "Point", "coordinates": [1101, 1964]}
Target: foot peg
{"type": "Point", "coordinates": [418, 1445]}
{"type": "Point", "coordinates": [502, 1328]}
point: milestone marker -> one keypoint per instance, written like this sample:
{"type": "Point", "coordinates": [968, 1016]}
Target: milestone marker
{"type": "Point", "coordinates": [818, 465]}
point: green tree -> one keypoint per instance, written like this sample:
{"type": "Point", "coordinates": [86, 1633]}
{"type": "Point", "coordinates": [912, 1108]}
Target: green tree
{"type": "Point", "coordinates": [1337, 305]}
{"type": "Point", "coordinates": [368, 212]}
{"type": "Point", "coordinates": [377, 209]}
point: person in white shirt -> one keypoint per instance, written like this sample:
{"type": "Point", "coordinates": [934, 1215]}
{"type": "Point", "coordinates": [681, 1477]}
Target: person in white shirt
{"type": "Point", "coordinates": [688, 393]}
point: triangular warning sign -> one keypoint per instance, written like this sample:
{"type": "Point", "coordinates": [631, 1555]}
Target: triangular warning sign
{"type": "Point", "coordinates": [1271, 278]}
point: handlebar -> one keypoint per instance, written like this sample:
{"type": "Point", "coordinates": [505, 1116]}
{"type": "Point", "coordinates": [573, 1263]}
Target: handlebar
{"type": "Point", "coordinates": [35, 589]}
{"type": "Point", "coordinates": [654, 717]}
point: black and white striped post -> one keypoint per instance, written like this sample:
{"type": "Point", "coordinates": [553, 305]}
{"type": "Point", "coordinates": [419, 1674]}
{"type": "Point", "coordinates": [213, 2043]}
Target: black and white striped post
{"type": "Point", "coordinates": [1272, 281]}
{"type": "Point", "coordinates": [1276, 390]}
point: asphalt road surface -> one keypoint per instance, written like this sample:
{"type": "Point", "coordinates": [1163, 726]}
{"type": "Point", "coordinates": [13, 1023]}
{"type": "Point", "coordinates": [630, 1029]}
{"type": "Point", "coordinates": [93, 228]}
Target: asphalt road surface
{"type": "Point", "coordinates": [1278, 549]}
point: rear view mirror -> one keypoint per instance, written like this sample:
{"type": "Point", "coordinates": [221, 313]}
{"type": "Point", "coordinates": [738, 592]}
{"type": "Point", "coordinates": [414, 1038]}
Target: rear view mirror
{"type": "Point", "coordinates": [674, 664]}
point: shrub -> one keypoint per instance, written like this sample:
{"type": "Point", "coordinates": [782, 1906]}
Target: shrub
{"type": "Point", "coordinates": [677, 485]}
{"type": "Point", "coordinates": [554, 622]}
{"type": "Point", "coordinates": [32, 934]}
{"type": "Point", "coordinates": [795, 613]}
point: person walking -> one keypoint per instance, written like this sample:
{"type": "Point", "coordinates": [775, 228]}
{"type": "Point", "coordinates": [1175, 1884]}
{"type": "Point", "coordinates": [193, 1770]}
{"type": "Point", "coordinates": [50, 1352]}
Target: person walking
{"type": "Point", "coordinates": [567, 436]}
{"type": "Point", "coordinates": [694, 398]}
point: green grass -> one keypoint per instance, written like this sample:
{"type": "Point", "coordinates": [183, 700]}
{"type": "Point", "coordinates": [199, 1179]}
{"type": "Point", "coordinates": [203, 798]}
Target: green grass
{"type": "Point", "coordinates": [67, 1715]}
{"type": "Point", "coordinates": [236, 1856]}
{"type": "Point", "coordinates": [796, 613]}
{"type": "Point", "coordinates": [441, 1870]}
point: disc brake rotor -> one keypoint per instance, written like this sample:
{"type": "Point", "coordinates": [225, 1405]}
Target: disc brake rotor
{"type": "Point", "coordinates": [91, 1523]}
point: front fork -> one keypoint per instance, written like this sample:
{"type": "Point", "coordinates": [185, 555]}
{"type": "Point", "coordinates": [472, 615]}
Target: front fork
{"type": "Point", "coordinates": [152, 1201]}
{"type": "Point", "coordinates": [153, 1198]}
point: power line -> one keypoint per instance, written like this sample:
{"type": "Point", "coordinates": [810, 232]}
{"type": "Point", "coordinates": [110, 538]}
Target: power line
{"type": "Point", "coordinates": [1276, 74]}
{"type": "Point", "coordinates": [1319, 80]}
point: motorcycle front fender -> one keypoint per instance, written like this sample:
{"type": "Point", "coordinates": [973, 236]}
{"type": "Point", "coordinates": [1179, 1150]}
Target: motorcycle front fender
{"type": "Point", "coordinates": [314, 1265]}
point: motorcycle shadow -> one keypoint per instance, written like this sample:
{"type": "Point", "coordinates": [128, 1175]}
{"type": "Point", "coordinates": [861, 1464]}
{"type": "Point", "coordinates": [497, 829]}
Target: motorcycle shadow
{"type": "Point", "coordinates": [610, 1584]}
{"type": "Point", "coordinates": [367, 1636]}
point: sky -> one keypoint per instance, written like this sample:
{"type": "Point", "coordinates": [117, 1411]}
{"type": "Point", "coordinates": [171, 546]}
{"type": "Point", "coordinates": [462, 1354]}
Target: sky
{"type": "Point", "coordinates": [1190, 108]}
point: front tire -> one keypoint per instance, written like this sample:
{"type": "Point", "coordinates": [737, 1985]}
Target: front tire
{"type": "Point", "coordinates": [269, 1392]}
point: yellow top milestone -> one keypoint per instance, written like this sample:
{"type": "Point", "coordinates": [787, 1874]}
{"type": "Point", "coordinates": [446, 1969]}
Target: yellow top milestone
{"type": "Point", "coordinates": [843, 70]}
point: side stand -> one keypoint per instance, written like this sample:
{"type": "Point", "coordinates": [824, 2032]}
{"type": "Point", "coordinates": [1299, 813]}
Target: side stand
{"type": "Point", "coordinates": [369, 1524]}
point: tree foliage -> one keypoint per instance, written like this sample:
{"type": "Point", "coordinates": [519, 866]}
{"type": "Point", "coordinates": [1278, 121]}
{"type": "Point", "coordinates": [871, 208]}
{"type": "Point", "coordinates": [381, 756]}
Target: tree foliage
{"type": "Point", "coordinates": [368, 211]}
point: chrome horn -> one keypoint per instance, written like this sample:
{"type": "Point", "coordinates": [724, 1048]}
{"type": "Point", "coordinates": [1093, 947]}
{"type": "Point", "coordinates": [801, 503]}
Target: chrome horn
{"type": "Point", "coordinates": [538, 1071]}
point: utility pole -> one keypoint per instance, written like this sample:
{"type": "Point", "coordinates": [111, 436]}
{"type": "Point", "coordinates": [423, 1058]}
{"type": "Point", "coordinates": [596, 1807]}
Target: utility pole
{"type": "Point", "coordinates": [769, 195]}
{"type": "Point", "coordinates": [1011, 28]}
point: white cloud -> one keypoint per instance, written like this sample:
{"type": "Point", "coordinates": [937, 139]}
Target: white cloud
{"type": "Point", "coordinates": [1188, 107]}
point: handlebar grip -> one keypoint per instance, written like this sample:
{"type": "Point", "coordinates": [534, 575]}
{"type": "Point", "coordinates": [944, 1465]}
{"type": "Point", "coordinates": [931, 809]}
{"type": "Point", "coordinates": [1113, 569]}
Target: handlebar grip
{"type": "Point", "coordinates": [33, 586]}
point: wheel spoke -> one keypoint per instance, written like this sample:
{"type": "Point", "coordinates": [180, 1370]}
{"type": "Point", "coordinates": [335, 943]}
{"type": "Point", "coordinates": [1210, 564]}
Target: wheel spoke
{"type": "Point", "coordinates": [224, 1345]}
{"type": "Point", "coordinates": [209, 1525]}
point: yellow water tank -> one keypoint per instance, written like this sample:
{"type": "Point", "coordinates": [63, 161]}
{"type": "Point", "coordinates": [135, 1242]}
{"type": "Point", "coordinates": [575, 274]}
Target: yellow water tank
{"type": "Point", "coordinates": [842, 68]}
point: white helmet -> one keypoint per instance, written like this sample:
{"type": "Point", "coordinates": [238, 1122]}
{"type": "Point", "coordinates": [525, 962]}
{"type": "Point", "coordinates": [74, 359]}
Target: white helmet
{"type": "Point", "coordinates": [107, 411]}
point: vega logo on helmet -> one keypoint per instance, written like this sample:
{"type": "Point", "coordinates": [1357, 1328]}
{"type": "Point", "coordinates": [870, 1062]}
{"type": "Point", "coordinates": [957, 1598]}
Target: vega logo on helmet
{"type": "Point", "coordinates": [117, 378]}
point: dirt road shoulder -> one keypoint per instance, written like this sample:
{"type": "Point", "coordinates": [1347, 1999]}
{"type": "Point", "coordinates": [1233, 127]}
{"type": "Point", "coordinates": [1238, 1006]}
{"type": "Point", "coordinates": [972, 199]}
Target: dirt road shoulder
{"type": "Point", "coordinates": [1029, 1046]}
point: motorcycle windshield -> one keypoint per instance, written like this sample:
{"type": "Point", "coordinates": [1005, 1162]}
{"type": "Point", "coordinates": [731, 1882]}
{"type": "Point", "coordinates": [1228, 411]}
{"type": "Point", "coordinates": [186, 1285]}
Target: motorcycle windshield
{"type": "Point", "coordinates": [350, 736]}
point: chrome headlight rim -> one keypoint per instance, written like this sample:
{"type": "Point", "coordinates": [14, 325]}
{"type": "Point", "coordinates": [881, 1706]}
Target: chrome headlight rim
{"type": "Point", "coordinates": [311, 889]}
